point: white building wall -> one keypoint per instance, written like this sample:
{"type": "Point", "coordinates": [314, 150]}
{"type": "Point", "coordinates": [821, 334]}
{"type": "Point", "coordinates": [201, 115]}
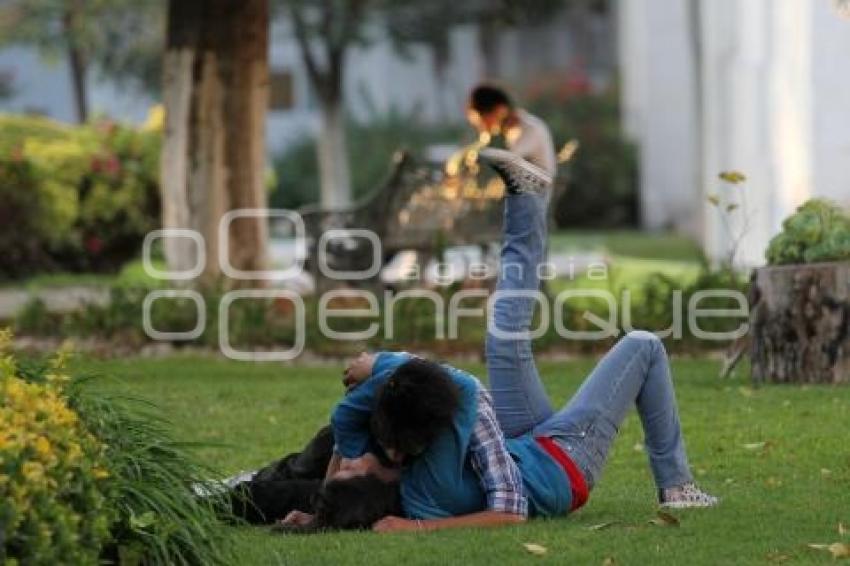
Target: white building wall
{"type": "Point", "coordinates": [632, 35]}
{"type": "Point", "coordinates": [774, 81]}
{"type": "Point", "coordinates": [830, 76]}
{"type": "Point", "coordinates": [659, 99]}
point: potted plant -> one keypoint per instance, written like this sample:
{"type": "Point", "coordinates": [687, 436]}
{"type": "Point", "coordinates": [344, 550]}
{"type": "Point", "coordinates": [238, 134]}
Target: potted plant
{"type": "Point", "coordinates": [800, 315]}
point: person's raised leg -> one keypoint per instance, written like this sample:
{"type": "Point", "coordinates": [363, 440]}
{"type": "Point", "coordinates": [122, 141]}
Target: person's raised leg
{"type": "Point", "coordinates": [518, 395]}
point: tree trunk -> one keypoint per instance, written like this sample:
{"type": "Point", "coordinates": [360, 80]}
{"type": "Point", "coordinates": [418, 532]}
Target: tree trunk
{"type": "Point", "coordinates": [76, 59]}
{"type": "Point", "coordinates": [215, 92]}
{"type": "Point", "coordinates": [801, 324]}
{"type": "Point", "coordinates": [334, 170]}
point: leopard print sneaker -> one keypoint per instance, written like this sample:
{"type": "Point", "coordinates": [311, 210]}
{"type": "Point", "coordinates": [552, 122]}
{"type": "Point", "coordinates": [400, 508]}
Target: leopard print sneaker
{"type": "Point", "coordinates": [685, 496]}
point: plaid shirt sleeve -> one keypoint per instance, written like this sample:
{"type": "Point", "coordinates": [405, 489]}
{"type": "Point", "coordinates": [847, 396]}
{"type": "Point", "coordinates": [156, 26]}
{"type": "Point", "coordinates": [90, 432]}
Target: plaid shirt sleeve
{"type": "Point", "coordinates": [496, 469]}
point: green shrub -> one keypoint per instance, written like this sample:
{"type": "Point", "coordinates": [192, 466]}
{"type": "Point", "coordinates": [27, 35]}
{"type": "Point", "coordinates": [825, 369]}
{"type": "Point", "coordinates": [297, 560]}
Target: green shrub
{"type": "Point", "coordinates": [53, 475]}
{"type": "Point", "coordinates": [818, 231]}
{"type": "Point", "coordinates": [81, 198]}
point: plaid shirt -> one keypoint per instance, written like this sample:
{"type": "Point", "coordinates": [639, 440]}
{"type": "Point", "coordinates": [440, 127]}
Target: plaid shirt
{"type": "Point", "coordinates": [490, 459]}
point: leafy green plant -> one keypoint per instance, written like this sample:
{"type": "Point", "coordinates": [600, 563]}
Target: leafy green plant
{"type": "Point", "coordinates": [160, 520]}
{"type": "Point", "coordinates": [818, 231]}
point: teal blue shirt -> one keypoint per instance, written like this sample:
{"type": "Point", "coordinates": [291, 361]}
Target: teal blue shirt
{"type": "Point", "coordinates": [441, 481]}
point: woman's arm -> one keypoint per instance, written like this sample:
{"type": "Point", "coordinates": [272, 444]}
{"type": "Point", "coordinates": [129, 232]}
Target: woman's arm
{"type": "Point", "coordinates": [393, 524]}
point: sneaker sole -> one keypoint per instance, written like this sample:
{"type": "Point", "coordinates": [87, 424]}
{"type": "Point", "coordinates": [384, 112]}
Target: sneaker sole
{"type": "Point", "coordinates": [687, 505]}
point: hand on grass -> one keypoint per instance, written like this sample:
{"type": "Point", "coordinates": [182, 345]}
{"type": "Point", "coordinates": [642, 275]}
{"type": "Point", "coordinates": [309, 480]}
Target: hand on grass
{"type": "Point", "coordinates": [358, 370]}
{"type": "Point", "coordinates": [393, 524]}
{"type": "Point", "coordinates": [299, 518]}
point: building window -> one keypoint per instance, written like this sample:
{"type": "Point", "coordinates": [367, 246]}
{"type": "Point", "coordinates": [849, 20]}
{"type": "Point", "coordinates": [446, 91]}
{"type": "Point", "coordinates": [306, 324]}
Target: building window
{"type": "Point", "coordinates": [282, 91]}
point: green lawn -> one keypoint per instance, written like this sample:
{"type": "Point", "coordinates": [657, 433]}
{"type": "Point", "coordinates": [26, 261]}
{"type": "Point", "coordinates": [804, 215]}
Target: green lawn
{"type": "Point", "coordinates": [631, 257]}
{"type": "Point", "coordinates": [628, 243]}
{"type": "Point", "coordinates": [777, 497]}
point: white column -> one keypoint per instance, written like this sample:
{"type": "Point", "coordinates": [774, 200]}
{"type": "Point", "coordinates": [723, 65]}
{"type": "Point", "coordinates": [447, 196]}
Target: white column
{"type": "Point", "coordinates": [756, 116]}
{"type": "Point", "coordinates": [631, 53]}
{"type": "Point", "coordinates": [830, 101]}
{"type": "Point", "coordinates": [659, 99]}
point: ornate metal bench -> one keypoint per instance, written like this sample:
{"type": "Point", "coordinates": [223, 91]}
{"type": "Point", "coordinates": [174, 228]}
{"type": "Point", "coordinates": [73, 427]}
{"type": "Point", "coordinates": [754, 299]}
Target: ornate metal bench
{"type": "Point", "coordinates": [418, 208]}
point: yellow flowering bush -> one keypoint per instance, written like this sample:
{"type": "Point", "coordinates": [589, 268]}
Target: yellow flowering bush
{"type": "Point", "coordinates": [52, 504]}
{"type": "Point", "coordinates": [89, 477]}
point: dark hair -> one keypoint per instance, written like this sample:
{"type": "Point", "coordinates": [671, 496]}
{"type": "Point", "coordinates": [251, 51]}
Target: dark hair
{"type": "Point", "coordinates": [353, 503]}
{"type": "Point", "coordinates": [485, 98]}
{"type": "Point", "coordinates": [416, 403]}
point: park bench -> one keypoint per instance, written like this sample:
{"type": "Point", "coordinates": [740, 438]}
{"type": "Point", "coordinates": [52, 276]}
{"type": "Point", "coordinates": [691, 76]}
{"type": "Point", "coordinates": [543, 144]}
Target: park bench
{"type": "Point", "coordinates": [418, 207]}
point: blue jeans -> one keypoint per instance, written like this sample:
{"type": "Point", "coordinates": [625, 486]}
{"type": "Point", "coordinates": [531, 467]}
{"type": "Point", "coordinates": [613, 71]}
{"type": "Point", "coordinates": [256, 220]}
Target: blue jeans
{"type": "Point", "coordinates": [634, 372]}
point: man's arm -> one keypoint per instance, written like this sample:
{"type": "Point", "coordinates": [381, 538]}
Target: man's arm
{"type": "Point", "coordinates": [350, 418]}
{"type": "Point", "coordinates": [481, 519]}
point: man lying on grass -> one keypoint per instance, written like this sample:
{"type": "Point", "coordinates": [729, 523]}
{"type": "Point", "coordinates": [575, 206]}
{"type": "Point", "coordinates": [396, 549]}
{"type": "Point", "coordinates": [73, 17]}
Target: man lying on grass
{"type": "Point", "coordinates": [469, 457]}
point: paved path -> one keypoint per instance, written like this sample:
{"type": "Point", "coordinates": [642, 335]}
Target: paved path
{"type": "Point", "coordinates": [58, 299]}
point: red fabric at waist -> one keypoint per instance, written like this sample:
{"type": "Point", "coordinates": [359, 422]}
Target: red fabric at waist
{"type": "Point", "coordinates": [577, 484]}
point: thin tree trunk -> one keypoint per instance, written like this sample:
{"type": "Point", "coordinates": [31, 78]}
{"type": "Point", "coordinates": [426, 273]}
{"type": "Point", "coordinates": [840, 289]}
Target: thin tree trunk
{"type": "Point", "coordinates": [215, 95]}
{"type": "Point", "coordinates": [76, 59]}
{"type": "Point", "coordinates": [334, 169]}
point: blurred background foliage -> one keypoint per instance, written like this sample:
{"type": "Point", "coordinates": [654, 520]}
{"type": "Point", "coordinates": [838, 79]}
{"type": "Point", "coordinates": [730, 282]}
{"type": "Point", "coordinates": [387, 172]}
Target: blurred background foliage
{"type": "Point", "coordinates": [75, 198]}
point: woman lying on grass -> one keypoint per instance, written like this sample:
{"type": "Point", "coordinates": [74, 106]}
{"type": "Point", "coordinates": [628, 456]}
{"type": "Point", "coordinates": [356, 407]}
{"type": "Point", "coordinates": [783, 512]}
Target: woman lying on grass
{"type": "Point", "coordinates": [469, 457]}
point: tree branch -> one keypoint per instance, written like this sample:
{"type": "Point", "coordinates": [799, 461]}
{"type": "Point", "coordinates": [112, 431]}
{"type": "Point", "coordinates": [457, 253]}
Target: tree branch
{"type": "Point", "coordinates": [317, 75]}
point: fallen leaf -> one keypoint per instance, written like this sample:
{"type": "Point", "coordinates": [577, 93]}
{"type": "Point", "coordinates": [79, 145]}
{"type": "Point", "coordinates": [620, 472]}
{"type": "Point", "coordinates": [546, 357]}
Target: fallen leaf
{"type": "Point", "coordinates": [535, 549]}
{"type": "Point", "coordinates": [602, 526]}
{"type": "Point", "coordinates": [664, 519]}
{"type": "Point", "coordinates": [731, 207]}
{"type": "Point", "coordinates": [713, 199]}
{"type": "Point", "coordinates": [638, 447]}
{"type": "Point", "coordinates": [609, 561]}
{"type": "Point", "coordinates": [839, 550]}
{"type": "Point", "coordinates": [754, 445]}
{"type": "Point", "coordinates": [825, 472]}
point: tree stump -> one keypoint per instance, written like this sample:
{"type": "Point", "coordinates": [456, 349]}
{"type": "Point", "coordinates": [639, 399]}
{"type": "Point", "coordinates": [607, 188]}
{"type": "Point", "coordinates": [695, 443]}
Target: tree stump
{"type": "Point", "coordinates": [800, 323]}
